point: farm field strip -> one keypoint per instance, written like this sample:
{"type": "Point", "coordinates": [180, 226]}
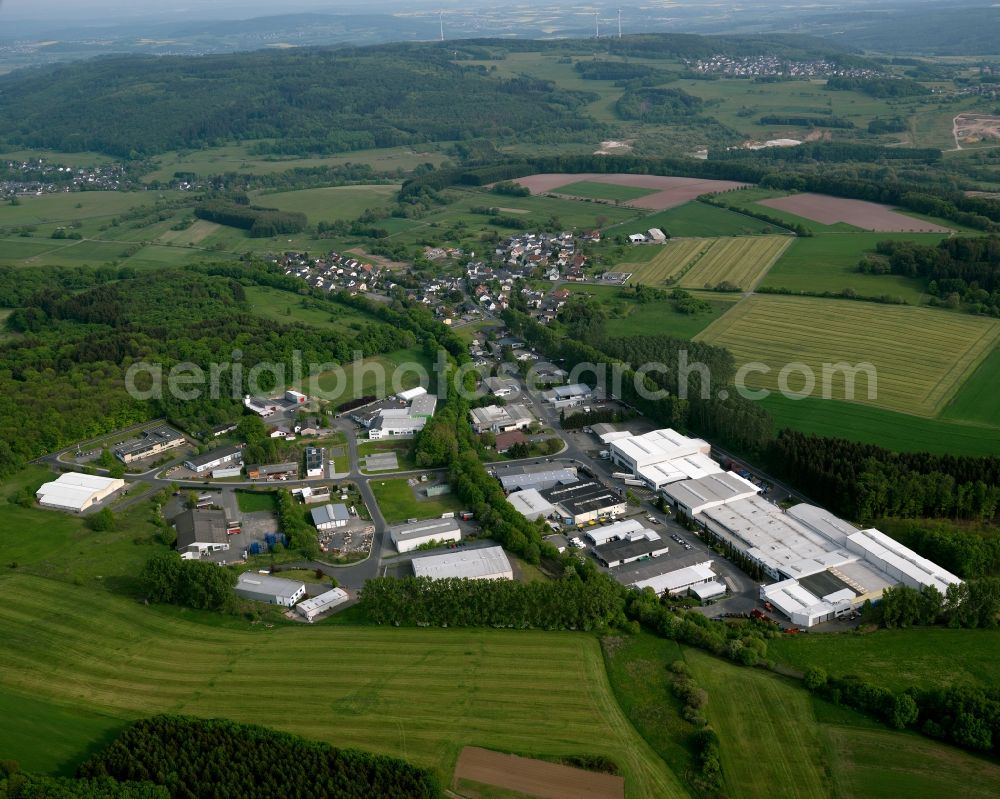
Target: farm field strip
{"type": "Point", "coordinates": [674, 257]}
{"type": "Point", "coordinates": [922, 356]}
{"type": "Point", "coordinates": [742, 261]}
{"type": "Point", "coordinates": [667, 191]}
{"type": "Point", "coordinates": [419, 694]}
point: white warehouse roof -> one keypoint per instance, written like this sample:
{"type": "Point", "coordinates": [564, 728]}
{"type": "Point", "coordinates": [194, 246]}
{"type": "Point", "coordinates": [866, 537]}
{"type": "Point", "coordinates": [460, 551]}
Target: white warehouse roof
{"type": "Point", "coordinates": [686, 467]}
{"type": "Point", "coordinates": [411, 393]}
{"type": "Point", "coordinates": [601, 535]}
{"type": "Point", "coordinates": [710, 491]}
{"type": "Point", "coordinates": [75, 491]}
{"type": "Point", "coordinates": [531, 504]}
{"type": "Point", "coordinates": [657, 446]}
{"type": "Point", "coordinates": [489, 563]}
{"type": "Point", "coordinates": [679, 579]}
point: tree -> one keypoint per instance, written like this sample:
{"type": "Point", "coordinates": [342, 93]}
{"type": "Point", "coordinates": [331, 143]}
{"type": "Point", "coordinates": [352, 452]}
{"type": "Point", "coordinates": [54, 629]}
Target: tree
{"type": "Point", "coordinates": [102, 521]}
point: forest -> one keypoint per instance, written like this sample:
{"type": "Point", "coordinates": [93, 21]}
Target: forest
{"type": "Point", "coordinates": [657, 105]}
{"type": "Point", "coordinates": [216, 759]}
{"type": "Point", "coordinates": [959, 269]}
{"type": "Point", "coordinates": [261, 223]}
{"type": "Point", "coordinates": [77, 344]}
{"type": "Point", "coordinates": [877, 87]}
{"type": "Point", "coordinates": [309, 100]}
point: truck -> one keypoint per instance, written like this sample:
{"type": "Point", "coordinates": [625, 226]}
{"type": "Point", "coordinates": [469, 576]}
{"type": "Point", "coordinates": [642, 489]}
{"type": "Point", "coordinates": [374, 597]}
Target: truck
{"type": "Point", "coordinates": [604, 454]}
{"type": "Point", "coordinates": [633, 481]}
{"type": "Point", "coordinates": [622, 475]}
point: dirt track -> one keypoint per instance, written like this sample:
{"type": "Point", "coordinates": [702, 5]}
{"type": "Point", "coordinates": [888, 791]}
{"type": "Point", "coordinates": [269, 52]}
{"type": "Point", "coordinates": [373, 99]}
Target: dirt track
{"type": "Point", "coordinates": [670, 191]}
{"type": "Point", "coordinates": [536, 777]}
{"type": "Point", "coordinates": [865, 215]}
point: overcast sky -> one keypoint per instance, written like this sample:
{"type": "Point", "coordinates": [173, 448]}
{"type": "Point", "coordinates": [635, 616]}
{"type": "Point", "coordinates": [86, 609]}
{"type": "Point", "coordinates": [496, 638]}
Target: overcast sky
{"type": "Point", "coordinates": [109, 11]}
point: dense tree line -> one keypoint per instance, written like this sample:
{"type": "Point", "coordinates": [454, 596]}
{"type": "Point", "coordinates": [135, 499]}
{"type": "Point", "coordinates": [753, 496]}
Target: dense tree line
{"type": "Point", "coordinates": [657, 105]}
{"type": "Point", "coordinates": [260, 222]}
{"type": "Point", "coordinates": [757, 213]}
{"type": "Point", "coordinates": [878, 87]}
{"type": "Point", "coordinates": [972, 604]}
{"type": "Point", "coordinates": [301, 534]}
{"type": "Point", "coordinates": [966, 550]}
{"type": "Point", "coordinates": [865, 482]}
{"type": "Point", "coordinates": [568, 603]}
{"type": "Point", "coordinates": [15, 784]}
{"type": "Point", "coordinates": [831, 152]}
{"type": "Point", "coordinates": [964, 268]}
{"type": "Point", "coordinates": [963, 715]}
{"type": "Point", "coordinates": [198, 584]}
{"type": "Point", "coordinates": [807, 122]}
{"type": "Point", "coordinates": [216, 759]}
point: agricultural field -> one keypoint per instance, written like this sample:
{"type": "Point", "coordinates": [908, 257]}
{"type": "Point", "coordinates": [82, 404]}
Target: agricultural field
{"type": "Point", "coordinates": [751, 199]}
{"type": "Point", "coordinates": [860, 214]}
{"type": "Point", "coordinates": [421, 694]}
{"type": "Point", "coordinates": [592, 190]}
{"type": "Point", "coordinates": [670, 261]}
{"type": "Point", "coordinates": [399, 501]}
{"type": "Point", "coordinates": [330, 203]}
{"type": "Point", "coordinates": [664, 191]}
{"type": "Point", "coordinates": [916, 374]}
{"type": "Point", "coordinates": [828, 262]}
{"type": "Point", "coordinates": [978, 400]}
{"type": "Point", "coordinates": [739, 261]}
{"type": "Point", "coordinates": [287, 308]}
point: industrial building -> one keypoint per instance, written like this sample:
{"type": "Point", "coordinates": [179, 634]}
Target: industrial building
{"type": "Point", "coordinates": [200, 532]}
{"type": "Point", "coordinates": [408, 421]}
{"type": "Point", "coordinates": [273, 472]}
{"type": "Point", "coordinates": [540, 477]}
{"type": "Point", "coordinates": [489, 563]}
{"type": "Point", "coordinates": [409, 536]}
{"type": "Point", "coordinates": [330, 517]}
{"type": "Point", "coordinates": [153, 442]}
{"type": "Point", "coordinates": [216, 459]}
{"type": "Point", "coordinates": [604, 533]}
{"type": "Point", "coordinates": [824, 566]}
{"type": "Point", "coordinates": [569, 396]}
{"type": "Point", "coordinates": [411, 394]}
{"type": "Point", "coordinates": [309, 609]}
{"type": "Point", "coordinates": [530, 504]}
{"type": "Point", "coordinates": [296, 397]}
{"type": "Point", "coordinates": [77, 492]}
{"type": "Point", "coordinates": [501, 386]}
{"type": "Point", "coordinates": [495, 419]}
{"type": "Point", "coordinates": [679, 580]}
{"type": "Point", "coordinates": [662, 457]}
{"type": "Point", "coordinates": [314, 462]}
{"type": "Point", "coordinates": [691, 497]}
{"type": "Point", "coordinates": [580, 503]}
{"type": "Point", "coordinates": [272, 590]}
{"type": "Point", "coordinates": [703, 592]}
{"type": "Point", "coordinates": [637, 545]}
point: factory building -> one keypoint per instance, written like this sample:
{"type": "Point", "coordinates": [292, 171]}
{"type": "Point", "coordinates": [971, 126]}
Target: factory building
{"type": "Point", "coordinates": [77, 492]}
{"type": "Point", "coordinates": [582, 503]}
{"type": "Point", "coordinates": [407, 537]}
{"type": "Point", "coordinates": [662, 457]}
{"type": "Point", "coordinates": [489, 563]}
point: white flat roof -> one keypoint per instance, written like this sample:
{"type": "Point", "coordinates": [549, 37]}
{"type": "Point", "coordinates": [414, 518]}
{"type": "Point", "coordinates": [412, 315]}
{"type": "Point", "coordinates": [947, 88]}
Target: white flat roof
{"type": "Point", "coordinates": [76, 491]}
{"type": "Point", "coordinates": [658, 446]}
{"type": "Point", "coordinates": [823, 522]}
{"type": "Point", "coordinates": [411, 393]}
{"type": "Point", "coordinates": [686, 467]}
{"type": "Point", "coordinates": [709, 589]}
{"type": "Point", "coordinates": [469, 564]}
{"type": "Point", "coordinates": [711, 489]}
{"type": "Point", "coordinates": [601, 534]}
{"type": "Point", "coordinates": [530, 503]}
{"type": "Point", "coordinates": [421, 529]}
{"type": "Point", "coordinates": [679, 578]}
{"type": "Point", "coordinates": [615, 435]}
{"type": "Point", "coordinates": [328, 599]}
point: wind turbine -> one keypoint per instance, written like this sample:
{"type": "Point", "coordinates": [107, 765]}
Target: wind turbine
{"type": "Point", "coordinates": [441, 20]}
{"type": "Point", "coordinates": [597, 25]}
{"type": "Point", "coordinates": [619, 23]}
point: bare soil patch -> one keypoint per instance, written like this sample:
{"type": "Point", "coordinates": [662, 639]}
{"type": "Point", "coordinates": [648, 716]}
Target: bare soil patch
{"type": "Point", "coordinates": [669, 192]}
{"type": "Point", "coordinates": [380, 260]}
{"type": "Point", "coordinates": [865, 215]}
{"type": "Point", "coordinates": [975, 128]}
{"type": "Point", "coordinates": [536, 777]}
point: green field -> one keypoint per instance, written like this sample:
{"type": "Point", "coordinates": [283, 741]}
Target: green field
{"type": "Point", "coordinates": [380, 376]}
{"type": "Point", "coordinates": [706, 221]}
{"type": "Point", "coordinates": [897, 659]}
{"type": "Point", "coordinates": [916, 373]}
{"type": "Point", "coordinates": [327, 204]}
{"type": "Point", "coordinates": [287, 307]}
{"type": "Point", "coordinates": [415, 693]}
{"type": "Point", "coordinates": [593, 190]}
{"type": "Point", "coordinates": [901, 432]}
{"type": "Point", "coordinates": [66, 207]}
{"type": "Point", "coordinates": [978, 400]}
{"type": "Point", "coordinates": [398, 501]}
{"type": "Point", "coordinates": [256, 501]}
{"type": "Point", "coordinates": [739, 261]}
{"type": "Point", "coordinates": [828, 262]}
